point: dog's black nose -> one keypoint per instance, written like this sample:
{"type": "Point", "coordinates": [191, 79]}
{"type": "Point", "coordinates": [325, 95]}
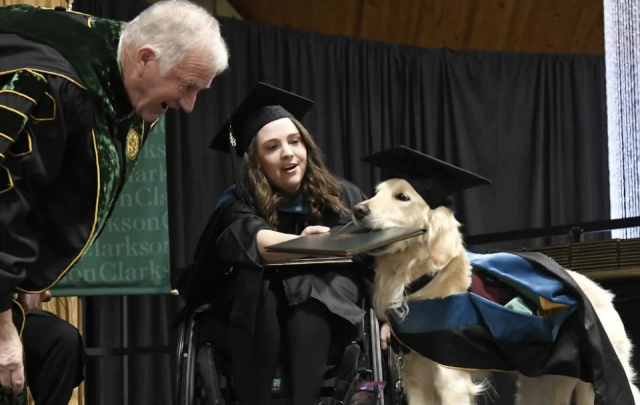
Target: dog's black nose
{"type": "Point", "coordinates": [360, 211]}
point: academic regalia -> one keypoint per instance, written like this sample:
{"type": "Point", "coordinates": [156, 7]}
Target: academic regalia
{"type": "Point", "coordinates": [69, 138]}
{"type": "Point", "coordinates": [228, 269]}
{"type": "Point", "coordinates": [522, 313]}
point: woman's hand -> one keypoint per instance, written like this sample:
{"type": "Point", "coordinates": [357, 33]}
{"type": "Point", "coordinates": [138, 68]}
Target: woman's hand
{"type": "Point", "coordinates": [314, 230]}
{"type": "Point", "coordinates": [268, 237]}
{"type": "Point", "coordinates": [385, 336]}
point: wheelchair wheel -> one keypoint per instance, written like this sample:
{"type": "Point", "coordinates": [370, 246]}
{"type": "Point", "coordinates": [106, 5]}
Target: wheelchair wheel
{"type": "Point", "coordinates": [207, 388]}
{"type": "Point", "coordinates": [186, 363]}
{"type": "Point", "coordinates": [182, 337]}
{"type": "Point", "coordinates": [394, 393]}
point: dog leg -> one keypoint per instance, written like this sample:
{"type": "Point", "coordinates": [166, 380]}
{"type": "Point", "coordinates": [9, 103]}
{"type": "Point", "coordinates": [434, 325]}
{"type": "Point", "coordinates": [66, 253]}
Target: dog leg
{"type": "Point", "coordinates": [419, 395]}
{"type": "Point", "coordinates": [551, 390]}
{"type": "Point", "coordinates": [585, 394]}
{"type": "Point", "coordinates": [636, 394]}
{"type": "Point", "coordinates": [418, 380]}
{"type": "Point", "coordinates": [456, 387]}
{"type": "Point", "coordinates": [602, 301]}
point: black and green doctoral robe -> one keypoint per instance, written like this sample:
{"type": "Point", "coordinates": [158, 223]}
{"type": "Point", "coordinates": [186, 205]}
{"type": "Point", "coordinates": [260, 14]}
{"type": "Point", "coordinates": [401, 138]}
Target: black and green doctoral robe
{"type": "Point", "coordinates": [69, 137]}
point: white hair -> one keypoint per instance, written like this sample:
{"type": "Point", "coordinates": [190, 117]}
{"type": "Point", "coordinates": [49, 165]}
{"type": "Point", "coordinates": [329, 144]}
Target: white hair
{"type": "Point", "coordinates": [175, 28]}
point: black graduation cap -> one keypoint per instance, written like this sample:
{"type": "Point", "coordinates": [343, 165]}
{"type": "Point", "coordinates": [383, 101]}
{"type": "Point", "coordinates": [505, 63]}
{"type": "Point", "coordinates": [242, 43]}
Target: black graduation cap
{"type": "Point", "coordinates": [433, 179]}
{"type": "Point", "coordinates": [262, 105]}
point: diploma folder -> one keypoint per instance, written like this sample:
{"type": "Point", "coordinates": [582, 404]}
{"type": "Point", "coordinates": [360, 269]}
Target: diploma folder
{"type": "Point", "coordinates": [313, 260]}
{"type": "Point", "coordinates": [345, 241]}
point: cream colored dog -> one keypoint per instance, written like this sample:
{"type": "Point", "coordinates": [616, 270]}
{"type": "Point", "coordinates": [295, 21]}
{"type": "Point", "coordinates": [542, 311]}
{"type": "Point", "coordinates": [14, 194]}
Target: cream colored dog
{"type": "Point", "coordinates": [441, 251]}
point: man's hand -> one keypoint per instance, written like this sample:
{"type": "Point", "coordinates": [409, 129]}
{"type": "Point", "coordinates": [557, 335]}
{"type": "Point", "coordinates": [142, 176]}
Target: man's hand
{"type": "Point", "coordinates": [29, 302]}
{"type": "Point", "coordinates": [45, 296]}
{"type": "Point", "coordinates": [11, 367]}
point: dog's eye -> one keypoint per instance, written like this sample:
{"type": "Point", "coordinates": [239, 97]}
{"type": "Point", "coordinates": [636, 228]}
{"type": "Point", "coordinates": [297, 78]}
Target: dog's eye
{"type": "Point", "coordinates": [402, 197]}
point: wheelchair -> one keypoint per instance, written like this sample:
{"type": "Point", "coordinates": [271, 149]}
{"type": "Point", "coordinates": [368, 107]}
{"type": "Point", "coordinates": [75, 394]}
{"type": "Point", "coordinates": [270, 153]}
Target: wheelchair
{"type": "Point", "coordinates": [360, 374]}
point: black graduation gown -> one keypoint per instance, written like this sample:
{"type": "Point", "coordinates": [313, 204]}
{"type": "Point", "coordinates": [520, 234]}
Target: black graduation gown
{"type": "Point", "coordinates": [229, 272]}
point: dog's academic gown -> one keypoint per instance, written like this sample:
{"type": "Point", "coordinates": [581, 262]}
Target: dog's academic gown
{"type": "Point", "coordinates": [557, 333]}
{"type": "Point", "coordinates": [69, 138]}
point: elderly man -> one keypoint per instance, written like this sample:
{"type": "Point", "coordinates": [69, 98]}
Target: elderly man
{"type": "Point", "coordinates": [78, 97]}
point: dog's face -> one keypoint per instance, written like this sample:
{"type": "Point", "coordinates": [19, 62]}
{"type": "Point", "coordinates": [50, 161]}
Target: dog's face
{"type": "Point", "coordinates": [397, 204]}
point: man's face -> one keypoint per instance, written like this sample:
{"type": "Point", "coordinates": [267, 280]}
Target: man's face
{"type": "Point", "coordinates": [152, 94]}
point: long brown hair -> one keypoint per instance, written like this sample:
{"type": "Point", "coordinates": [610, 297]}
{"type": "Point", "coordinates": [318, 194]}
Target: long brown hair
{"type": "Point", "coordinates": [319, 187]}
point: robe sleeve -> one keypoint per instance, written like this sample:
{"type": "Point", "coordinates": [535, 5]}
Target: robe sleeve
{"type": "Point", "coordinates": [19, 94]}
{"type": "Point", "coordinates": [237, 242]}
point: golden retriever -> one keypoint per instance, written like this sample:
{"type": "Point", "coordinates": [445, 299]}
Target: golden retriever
{"type": "Point", "coordinates": [441, 251]}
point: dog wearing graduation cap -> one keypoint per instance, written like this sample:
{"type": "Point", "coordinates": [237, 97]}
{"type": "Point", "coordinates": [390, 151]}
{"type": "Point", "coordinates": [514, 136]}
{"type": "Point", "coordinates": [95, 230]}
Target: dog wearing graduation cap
{"type": "Point", "coordinates": [455, 315]}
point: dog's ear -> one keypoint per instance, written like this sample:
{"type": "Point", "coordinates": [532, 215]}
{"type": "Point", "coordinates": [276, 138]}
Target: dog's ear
{"type": "Point", "coordinates": [444, 241]}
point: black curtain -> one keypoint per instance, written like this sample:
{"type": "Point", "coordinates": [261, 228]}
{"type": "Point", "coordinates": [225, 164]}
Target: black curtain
{"type": "Point", "coordinates": [123, 10]}
{"type": "Point", "coordinates": [533, 123]}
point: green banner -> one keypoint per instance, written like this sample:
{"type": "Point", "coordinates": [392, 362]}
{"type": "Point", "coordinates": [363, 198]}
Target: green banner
{"type": "Point", "coordinates": [131, 256]}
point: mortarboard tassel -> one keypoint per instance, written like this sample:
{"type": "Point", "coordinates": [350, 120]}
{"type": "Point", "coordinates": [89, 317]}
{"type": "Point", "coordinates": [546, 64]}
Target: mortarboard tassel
{"type": "Point", "coordinates": [232, 146]}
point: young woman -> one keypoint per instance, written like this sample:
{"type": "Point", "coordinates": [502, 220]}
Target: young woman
{"type": "Point", "coordinates": [284, 191]}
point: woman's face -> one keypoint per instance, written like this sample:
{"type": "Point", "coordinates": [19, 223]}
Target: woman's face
{"type": "Point", "coordinates": [282, 154]}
